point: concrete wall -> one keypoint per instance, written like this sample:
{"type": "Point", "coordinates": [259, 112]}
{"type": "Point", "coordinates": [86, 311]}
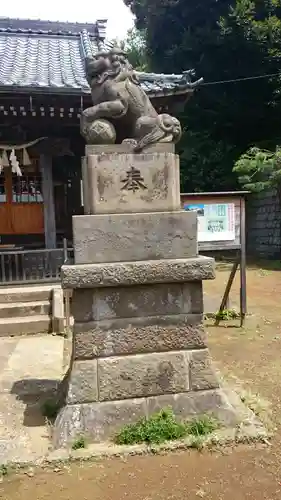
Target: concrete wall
{"type": "Point", "coordinates": [263, 221]}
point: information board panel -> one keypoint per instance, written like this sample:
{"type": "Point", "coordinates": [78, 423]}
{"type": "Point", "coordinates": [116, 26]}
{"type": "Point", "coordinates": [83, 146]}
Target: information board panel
{"type": "Point", "coordinates": [216, 222]}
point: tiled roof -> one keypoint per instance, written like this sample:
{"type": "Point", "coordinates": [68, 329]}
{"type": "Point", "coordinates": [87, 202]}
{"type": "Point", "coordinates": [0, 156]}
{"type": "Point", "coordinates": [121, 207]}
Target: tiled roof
{"type": "Point", "coordinates": [47, 56]}
{"type": "Point", "coordinates": [34, 26]}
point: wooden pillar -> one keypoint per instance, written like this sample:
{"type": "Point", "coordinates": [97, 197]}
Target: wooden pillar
{"type": "Point", "coordinates": [243, 265]}
{"type": "Point", "coordinates": [48, 199]}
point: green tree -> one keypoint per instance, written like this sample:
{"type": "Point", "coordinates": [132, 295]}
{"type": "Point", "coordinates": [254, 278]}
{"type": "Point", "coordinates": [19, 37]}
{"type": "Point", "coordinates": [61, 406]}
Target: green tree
{"type": "Point", "coordinates": [134, 45]}
{"type": "Point", "coordinates": [223, 40]}
{"type": "Point", "coordinates": [259, 170]}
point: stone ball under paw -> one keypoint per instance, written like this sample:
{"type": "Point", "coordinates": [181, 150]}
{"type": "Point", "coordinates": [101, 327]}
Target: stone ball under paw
{"type": "Point", "coordinates": [101, 132]}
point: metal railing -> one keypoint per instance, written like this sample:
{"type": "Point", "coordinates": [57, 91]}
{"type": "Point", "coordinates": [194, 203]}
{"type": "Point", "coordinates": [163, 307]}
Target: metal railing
{"type": "Point", "coordinates": [33, 266]}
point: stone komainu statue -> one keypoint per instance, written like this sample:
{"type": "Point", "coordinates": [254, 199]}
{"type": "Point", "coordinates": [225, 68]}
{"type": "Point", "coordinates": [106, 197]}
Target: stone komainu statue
{"type": "Point", "coordinates": [121, 111]}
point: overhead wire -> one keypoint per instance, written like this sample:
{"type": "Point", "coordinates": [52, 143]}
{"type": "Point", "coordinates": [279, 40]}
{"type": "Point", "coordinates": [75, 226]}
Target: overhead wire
{"type": "Point", "coordinates": [242, 79]}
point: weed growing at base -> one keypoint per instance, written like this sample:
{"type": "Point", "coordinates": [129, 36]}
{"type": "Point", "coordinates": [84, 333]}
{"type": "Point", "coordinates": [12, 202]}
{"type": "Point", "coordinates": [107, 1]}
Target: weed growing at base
{"type": "Point", "coordinates": [3, 470]}
{"type": "Point", "coordinates": [201, 426]}
{"type": "Point", "coordinates": [79, 443]}
{"type": "Point", "coordinates": [163, 426]}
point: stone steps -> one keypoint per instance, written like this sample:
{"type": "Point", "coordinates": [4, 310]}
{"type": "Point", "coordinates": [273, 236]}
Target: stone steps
{"type": "Point", "coordinates": [23, 309]}
{"type": "Point", "coordinates": [25, 325]}
{"type": "Point", "coordinates": [26, 310]}
{"type": "Point", "coordinates": [26, 293]}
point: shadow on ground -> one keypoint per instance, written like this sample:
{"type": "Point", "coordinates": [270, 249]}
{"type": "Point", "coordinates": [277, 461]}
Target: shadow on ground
{"type": "Point", "coordinates": [34, 393]}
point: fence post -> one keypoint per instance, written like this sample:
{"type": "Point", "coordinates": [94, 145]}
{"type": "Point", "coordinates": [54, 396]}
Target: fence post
{"type": "Point", "coordinates": [65, 253]}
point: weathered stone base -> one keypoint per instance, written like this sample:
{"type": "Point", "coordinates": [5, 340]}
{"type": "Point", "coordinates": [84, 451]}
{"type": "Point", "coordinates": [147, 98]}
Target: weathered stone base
{"type": "Point", "coordinates": [138, 273]}
{"type": "Point", "coordinates": [104, 394]}
{"type": "Point", "coordinates": [102, 420]}
{"type": "Point", "coordinates": [138, 345]}
{"type": "Point", "coordinates": [142, 375]}
{"type": "Point", "coordinates": [146, 236]}
{"type": "Point", "coordinates": [138, 336]}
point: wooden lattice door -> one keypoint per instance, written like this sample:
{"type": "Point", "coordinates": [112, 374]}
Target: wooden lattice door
{"type": "Point", "coordinates": [21, 202]}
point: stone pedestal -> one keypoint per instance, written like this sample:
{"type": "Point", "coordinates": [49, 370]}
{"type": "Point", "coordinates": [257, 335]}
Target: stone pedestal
{"type": "Point", "coordinates": [139, 343]}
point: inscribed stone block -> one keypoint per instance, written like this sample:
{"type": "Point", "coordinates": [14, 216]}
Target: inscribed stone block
{"type": "Point", "coordinates": [127, 182]}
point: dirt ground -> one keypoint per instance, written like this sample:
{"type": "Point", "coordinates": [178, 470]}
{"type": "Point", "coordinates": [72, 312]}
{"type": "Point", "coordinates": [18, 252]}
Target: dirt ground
{"type": "Point", "coordinates": [248, 357]}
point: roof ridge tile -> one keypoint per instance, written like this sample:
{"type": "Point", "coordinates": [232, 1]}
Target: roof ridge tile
{"type": "Point", "coordinates": [38, 26]}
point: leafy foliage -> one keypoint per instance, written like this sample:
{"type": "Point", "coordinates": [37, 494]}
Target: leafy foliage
{"type": "Point", "coordinates": [135, 47]}
{"type": "Point", "coordinates": [224, 40]}
{"type": "Point", "coordinates": [259, 169]}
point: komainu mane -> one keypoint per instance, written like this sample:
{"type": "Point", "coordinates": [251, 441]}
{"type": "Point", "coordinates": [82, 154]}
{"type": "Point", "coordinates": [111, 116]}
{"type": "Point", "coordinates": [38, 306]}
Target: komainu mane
{"type": "Point", "coordinates": [121, 111]}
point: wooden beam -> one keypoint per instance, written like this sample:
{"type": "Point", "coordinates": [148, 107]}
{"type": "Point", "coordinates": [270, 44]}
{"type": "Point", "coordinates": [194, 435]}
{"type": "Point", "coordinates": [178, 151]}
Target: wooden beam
{"type": "Point", "coordinates": [48, 198]}
{"type": "Point", "coordinates": [58, 146]}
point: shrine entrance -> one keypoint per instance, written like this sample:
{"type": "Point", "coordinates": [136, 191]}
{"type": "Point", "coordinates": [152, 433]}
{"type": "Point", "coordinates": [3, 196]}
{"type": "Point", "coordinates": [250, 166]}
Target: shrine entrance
{"type": "Point", "coordinates": [21, 201]}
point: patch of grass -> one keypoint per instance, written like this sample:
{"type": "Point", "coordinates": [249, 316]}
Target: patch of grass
{"type": "Point", "coordinates": [3, 470]}
{"type": "Point", "coordinates": [50, 409]}
{"type": "Point", "coordinates": [160, 427]}
{"type": "Point", "coordinates": [201, 426]}
{"type": "Point", "coordinates": [227, 314]}
{"type": "Point", "coordinates": [163, 426]}
{"type": "Point", "coordinates": [79, 443]}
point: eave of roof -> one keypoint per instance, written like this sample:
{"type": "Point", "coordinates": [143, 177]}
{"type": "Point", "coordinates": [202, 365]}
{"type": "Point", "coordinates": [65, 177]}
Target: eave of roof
{"type": "Point", "coordinates": [160, 92]}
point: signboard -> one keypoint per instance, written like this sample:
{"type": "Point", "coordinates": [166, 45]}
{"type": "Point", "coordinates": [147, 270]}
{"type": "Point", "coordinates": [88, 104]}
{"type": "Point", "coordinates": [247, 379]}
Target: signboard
{"type": "Point", "coordinates": [216, 222]}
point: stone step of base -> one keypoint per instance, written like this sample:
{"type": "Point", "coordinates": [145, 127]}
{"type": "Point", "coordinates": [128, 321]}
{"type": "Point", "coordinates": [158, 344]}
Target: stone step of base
{"type": "Point", "coordinates": [26, 293]}
{"type": "Point", "coordinates": [21, 309]}
{"type": "Point", "coordinates": [25, 325]}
